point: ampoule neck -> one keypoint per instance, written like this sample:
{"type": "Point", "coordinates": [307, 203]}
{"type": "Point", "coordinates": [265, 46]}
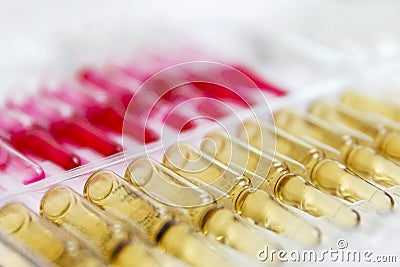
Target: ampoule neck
{"type": "Point", "coordinates": [200, 215]}
{"type": "Point", "coordinates": [238, 192]}
{"type": "Point", "coordinates": [347, 145]}
{"type": "Point", "coordinates": [277, 170]}
{"type": "Point", "coordinates": [312, 158]}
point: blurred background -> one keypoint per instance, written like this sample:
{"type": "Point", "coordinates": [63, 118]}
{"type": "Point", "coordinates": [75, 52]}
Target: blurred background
{"type": "Point", "coordinates": [295, 43]}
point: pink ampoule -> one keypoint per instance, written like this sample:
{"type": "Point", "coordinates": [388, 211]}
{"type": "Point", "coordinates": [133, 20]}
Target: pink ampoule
{"type": "Point", "coordinates": [32, 139]}
{"type": "Point", "coordinates": [147, 104]}
{"type": "Point", "coordinates": [4, 158]}
{"type": "Point", "coordinates": [99, 81]}
{"type": "Point", "coordinates": [232, 76]}
{"type": "Point", "coordinates": [19, 166]}
{"type": "Point", "coordinates": [67, 126]}
{"type": "Point", "coordinates": [208, 80]}
{"type": "Point", "coordinates": [103, 114]}
{"type": "Point", "coordinates": [212, 109]}
{"type": "Point", "coordinates": [261, 83]}
{"type": "Point", "coordinates": [192, 90]}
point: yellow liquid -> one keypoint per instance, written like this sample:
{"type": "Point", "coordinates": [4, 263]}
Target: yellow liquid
{"type": "Point", "coordinates": [290, 188]}
{"type": "Point", "coordinates": [326, 174]}
{"type": "Point", "coordinates": [258, 205]}
{"type": "Point", "coordinates": [109, 191]}
{"type": "Point", "coordinates": [13, 254]}
{"type": "Point", "coordinates": [106, 190]}
{"type": "Point", "coordinates": [43, 239]}
{"type": "Point", "coordinates": [213, 219]}
{"type": "Point", "coordinates": [66, 208]}
{"type": "Point", "coordinates": [364, 161]}
{"type": "Point", "coordinates": [386, 138]}
{"type": "Point", "coordinates": [366, 103]}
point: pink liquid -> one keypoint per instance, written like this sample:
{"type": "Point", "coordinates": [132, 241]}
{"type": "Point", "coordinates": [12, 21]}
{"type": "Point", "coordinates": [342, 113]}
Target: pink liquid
{"type": "Point", "coordinates": [38, 142]}
{"type": "Point", "coordinates": [78, 131]}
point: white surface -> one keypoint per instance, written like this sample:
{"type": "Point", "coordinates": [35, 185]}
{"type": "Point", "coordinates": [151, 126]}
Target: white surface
{"type": "Point", "coordinates": [42, 38]}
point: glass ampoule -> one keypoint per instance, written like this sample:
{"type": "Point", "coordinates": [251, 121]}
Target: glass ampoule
{"type": "Point", "coordinates": [112, 239]}
{"type": "Point", "coordinates": [99, 112]}
{"type": "Point", "coordinates": [66, 125]}
{"type": "Point", "coordinates": [367, 103]}
{"type": "Point", "coordinates": [290, 188]}
{"type": "Point", "coordinates": [327, 174]}
{"type": "Point", "coordinates": [115, 195]}
{"type": "Point", "coordinates": [45, 239]}
{"type": "Point", "coordinates": [32, 139]}
{"type": "Point", "coordinates": [12, 254]}
{"type": "Point", "coordinates": [236, 190]}
{"type": "Point", "coordinates": [17, 164]}
{"type": "Point", "coordinates": [207, 216]}
{"type": "Point", "coordinates": [362, 160]}
{"type": "Point", "coordinates": [115, 90]}
{"type": "Point", "coordinates": [386, 136]}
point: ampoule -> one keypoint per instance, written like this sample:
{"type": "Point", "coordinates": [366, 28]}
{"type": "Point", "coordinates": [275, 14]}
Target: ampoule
{"type": "Point", "coordinates": [257, 205]}
{"type": "Point", "coordinates": [367, 103]}
{"type": "Point", "coordinates": [386, 137]}
{"type": "Point", "coordinates": [327, 174]}
{"type": "Point", "coordinates": [30, 138]}
{"type": "Point", "coordinates": [290, 188]}
{"type": "Point", "coordinates": [101, 113]}
{"type": "Point", "coordinates": [362, 160]}
{"type": "Point", "coordinates": [112, 239]}
{"type": "Point", "coordinates": [66, 125]}
{"type": "Point", "coordinates": [13, 254]}
{"type": "Point", "coordinates": [115, 90]}
{"type": "Point", "coordinates": [110, 192]}
{"type": "Point", "coordinates": [22, 168]}
{"type": "Point", "coordinates": [45, 239]}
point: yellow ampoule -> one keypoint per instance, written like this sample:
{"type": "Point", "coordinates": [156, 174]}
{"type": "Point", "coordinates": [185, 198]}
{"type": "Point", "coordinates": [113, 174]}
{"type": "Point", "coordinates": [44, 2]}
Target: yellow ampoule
{"type": "Point", "coordinates": [44, 239]}
{"type": "Point", "coordinates": [113, 240]}
{"type": "Point", "coordinates": [362, 160]}
{"type": "Point", "coordinates": [386, 137]}
{"type": "Point", "coordinates": [367, 103]}
{"type": "Point", "coordinates": [327, 174]}
{"type": "Point", "coordinates": [290, 188]}
{"type": "Point", "coordinates": [113, 194]}
{"type": "Point", "coordinates": [258, 205]}
{"type": "Point", "coordinates": [13, 254]}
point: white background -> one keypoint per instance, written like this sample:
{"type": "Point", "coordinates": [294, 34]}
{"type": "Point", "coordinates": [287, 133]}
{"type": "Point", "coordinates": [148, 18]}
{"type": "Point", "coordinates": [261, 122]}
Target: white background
{"type": "Point", "coordinates": [40, 39]}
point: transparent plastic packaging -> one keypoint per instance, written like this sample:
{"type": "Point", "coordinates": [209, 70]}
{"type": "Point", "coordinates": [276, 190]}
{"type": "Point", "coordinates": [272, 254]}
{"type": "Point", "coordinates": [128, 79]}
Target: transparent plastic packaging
{"type": "Point", "coordinates": [236, 190]}
{"type": "Point", "coordinates": [287, 186]}
{"type": "Point", "coordinates": [109, 191]}
{"type": "Point", "coordinates": [31, 195]}
{"type": "Point", "coordinates": [362, 160]}
{"type": "Point", "coordinates": [327, 174]}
